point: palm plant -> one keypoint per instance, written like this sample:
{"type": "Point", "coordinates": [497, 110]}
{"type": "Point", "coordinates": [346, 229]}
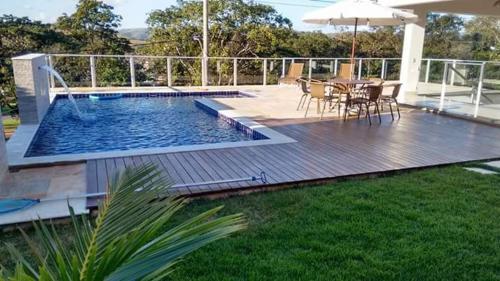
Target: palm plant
{"type": "Point", "coordinates": [132, 237]}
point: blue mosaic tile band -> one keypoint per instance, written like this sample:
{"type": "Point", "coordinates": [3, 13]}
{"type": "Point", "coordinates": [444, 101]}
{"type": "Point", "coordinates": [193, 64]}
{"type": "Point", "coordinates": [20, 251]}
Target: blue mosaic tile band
{"type": "Point", "coordinates": [240, 127]}
{"type": "Point", "coordinates": [155, 95]}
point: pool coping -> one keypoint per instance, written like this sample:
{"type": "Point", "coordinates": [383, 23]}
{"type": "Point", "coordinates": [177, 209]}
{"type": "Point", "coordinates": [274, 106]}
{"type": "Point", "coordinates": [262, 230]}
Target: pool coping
{"type": "Point", "coordinates": [19, 143]}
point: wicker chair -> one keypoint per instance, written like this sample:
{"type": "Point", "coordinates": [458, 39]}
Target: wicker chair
{"type": "Point", "coordinates": [339, 90]}
{"type": "Point", "coordinates": [294, 73]}
{"type": "Point", "coordinates": [393, 98]}
{"type": "Point", "coordinates": [318, 94]}
{"type": "Point", "coordinates": [372, 96]}
{"type": "Point", "coordinates": [305, 92]}
{"type": "Point", "coordinates": [346, 71]}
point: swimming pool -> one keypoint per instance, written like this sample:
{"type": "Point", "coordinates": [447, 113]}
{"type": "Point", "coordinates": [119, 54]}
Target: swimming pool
{"type": "Point", "coordinates": [135, 121]}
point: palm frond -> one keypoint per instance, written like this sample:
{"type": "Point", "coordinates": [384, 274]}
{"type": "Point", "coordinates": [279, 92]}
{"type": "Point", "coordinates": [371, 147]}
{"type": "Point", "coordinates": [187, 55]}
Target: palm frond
{"type": "Point", "coordinates": [129, 239]}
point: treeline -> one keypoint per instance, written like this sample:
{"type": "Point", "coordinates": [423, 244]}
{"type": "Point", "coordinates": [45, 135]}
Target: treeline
{"type": "Point", "coordinates": [237, 29]}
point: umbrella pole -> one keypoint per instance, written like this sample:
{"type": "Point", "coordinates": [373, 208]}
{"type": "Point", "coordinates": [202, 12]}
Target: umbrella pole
{"type": "Point", "coordinates": [353, 48]}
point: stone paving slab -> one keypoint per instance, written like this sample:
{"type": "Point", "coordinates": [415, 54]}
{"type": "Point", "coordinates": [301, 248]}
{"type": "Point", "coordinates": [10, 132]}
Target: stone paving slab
{"type": "Point", "coordinates": [494, 164]}
{"type": "Point", "coordinates": [481, 171]}
{"type": "Point", "coordinates": [47, 183]}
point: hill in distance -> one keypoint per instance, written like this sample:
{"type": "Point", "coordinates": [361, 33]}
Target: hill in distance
{"type": "Point", "coordinates": [139, 34]}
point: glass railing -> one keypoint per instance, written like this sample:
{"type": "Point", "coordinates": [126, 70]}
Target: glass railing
{"type": "Point", "coordinates": [463, 88]}
{"type": "Point", "coordinates": [131, 70]}
{"type": "Point", "coordinates": [470, 88]}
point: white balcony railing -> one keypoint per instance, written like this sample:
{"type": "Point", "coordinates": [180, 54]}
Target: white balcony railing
{"type": "Point", "coordinates": [459, 82]}
{"type": "Point", "coordinates": [264, 71]}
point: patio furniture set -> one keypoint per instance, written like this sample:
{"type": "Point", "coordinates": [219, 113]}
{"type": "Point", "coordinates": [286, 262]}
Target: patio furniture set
{"type": "Point", "coordinates": [356, 95]}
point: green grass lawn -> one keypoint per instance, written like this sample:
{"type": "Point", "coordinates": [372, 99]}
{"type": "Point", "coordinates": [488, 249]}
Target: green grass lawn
{"type": "Point", "coordinates": [437, 224]}
{"type": "Point", "coordinates": [9, 125]}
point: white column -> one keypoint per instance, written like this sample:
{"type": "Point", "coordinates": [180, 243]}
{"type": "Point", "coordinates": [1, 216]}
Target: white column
{"type": "Point", "coordinates": [479, 90]}
{"type": "Point", "coordinates": [235, 72]}
{"type": "Point", "coordinates": [412, 54]}
{"type": "Point", "coordinates": [93, 76]}
{"type": "Point", "coordinates": [427, 70]}
{"type": "Point", "coordinates": [382, 71]}
{"type": "Point", "coordinates": [283, 65]}
{"type": "Point", "coordinates": [443, 87]}
{"type": "Point", "coordinates": [132, 71]}
{"type": "Point", "coordinates": [169, 72]}
{"type": "Point", "coordinates": [204, 60]}
{"type": "Point", "coordinates": [452, 78]}
{"type": "Point", "coordinates": [264, 76]}
{"type": "Point", "coordinates": [309, 75]}
{"type": "Point", "coordinates": [360, 67]}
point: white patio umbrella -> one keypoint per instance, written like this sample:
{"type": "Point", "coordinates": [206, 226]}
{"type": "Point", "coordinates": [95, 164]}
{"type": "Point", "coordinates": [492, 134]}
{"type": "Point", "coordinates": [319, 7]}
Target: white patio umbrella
{"type": "Point", "coordinates": [359, 12]}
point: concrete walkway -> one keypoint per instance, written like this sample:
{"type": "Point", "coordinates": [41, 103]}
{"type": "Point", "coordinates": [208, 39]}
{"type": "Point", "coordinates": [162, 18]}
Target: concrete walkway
{"type": "Point", "coordinates": [45, 183]}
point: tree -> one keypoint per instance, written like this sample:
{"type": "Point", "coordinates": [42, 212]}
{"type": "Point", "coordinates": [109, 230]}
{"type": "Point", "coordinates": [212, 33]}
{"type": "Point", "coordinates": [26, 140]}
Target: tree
{"type": "Point", "coordinates": [237, 29]}
{"type": "Point", "coordinates": [311, 44]}
{"type": "Point", "coordinates": [132, 237]}
{"type": "Point", "coordinates": [484, 32]}
{"type": "Point", "coordinates": [19, 36]}
{"type": "Point", "coordinates": [94, 28]}
{"type": "Point", "coordinates": [443, 38]}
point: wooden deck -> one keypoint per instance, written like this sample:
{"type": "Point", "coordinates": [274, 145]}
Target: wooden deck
{"type": "Point", "coordinates": [324, 150]}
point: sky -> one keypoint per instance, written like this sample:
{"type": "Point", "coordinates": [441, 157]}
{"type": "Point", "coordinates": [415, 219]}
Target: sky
{"type": "Point", "coordinates": [134, 12]}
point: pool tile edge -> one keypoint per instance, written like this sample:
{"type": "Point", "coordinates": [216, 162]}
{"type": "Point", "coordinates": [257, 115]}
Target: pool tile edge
{"type": "Point", "coordinates": [19, 143]}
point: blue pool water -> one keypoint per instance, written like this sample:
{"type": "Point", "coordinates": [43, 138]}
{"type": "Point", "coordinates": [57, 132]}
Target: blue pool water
{"type": "Point", "coordinates": [130, 123]}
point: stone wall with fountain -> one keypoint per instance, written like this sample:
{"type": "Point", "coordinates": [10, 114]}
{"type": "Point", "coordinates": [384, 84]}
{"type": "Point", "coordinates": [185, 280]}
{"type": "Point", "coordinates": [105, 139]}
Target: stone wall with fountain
{"type": "Point", "coordinates": [32, 87]}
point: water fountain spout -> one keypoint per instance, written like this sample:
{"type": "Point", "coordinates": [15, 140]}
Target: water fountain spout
{"type": "Point", "coordinates": [66, 88]}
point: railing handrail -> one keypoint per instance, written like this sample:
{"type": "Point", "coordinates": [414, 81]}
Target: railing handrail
{"type": "Point", "coordinates": [334, 61]}
{"type": "Point", "coordinates": [228, 58]}
{"type": "Point", "coordinates": [268, 58]}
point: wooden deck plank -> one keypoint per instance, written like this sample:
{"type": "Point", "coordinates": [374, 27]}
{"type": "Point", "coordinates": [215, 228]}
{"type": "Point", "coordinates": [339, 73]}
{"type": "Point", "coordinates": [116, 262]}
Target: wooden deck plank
{"type": "Point", "coordinates": [110, 169]}
{"type": "Point", "coordinates": [224, 168]}
{"type": "Point", "coordinates": [203, 170]}
{"type": "Point", "coordinates": [102, 176]}
{"type": "Point", "coordinates": [196, 172]}
{"type": "Point", "coordinates": [324, 149]}
{"type": "Point", "coordinates": [169, 168]}
{"type": "Point", "coordinates": [228, 168]}
{"type": "Point", "coordinates": [92, 187]}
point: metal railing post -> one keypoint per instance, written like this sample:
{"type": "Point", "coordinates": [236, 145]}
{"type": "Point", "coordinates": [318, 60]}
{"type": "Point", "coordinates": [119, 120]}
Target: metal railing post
{"type": "Point", "coordinates": [443, 87]}
{"type": "Point", "coordinates": [283, 68]}
{"type": "Point", "coordinates": [360, 66]}
{"type": "Point", "coordinates": [427, 71]}
{"type": "Point", "coordinates": [452, 79]}
{"type": "Point", "coordinates": [310, 69]}
{"type": "Point", "coordinates": [93, 77]}
{"type": "Point", "coordinates": [382, 72]}
{"type": "Point", "coordinates": [169, 72]}
{"type": "Point", "coordinates": [264, 76]}
{"type": "Point", "coordinates": [479, 90]}
{"type": "Point", "coordinates": [335, 67]}
{"type": "Point", "coordinates": [51, 65]}
{"type": "Point", "coordinates": [132, 72]}
{"type": "Point", "coordinates": [235, 72]}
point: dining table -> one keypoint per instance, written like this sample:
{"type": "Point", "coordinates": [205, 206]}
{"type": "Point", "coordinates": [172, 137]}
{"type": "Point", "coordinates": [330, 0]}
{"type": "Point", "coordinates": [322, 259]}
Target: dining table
{"type": "Point", "coordinates": [351, 83]}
